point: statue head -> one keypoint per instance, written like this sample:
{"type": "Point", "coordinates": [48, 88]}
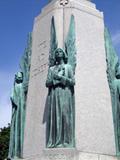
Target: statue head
{"type": "Point", "coordinates": [19, 77]}
{"type": "Point", "coordinates": [60, 54]}
{"type": "Point", "coordinates": [118, 72]}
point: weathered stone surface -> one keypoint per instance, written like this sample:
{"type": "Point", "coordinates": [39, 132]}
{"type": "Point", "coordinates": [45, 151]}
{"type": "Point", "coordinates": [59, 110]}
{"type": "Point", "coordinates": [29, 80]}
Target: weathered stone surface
{"type": "Point", "coordinates": [88, 156]}
{"type": "Point", "coordinates": [68, 154]}
{"type": "Point", "coordinates": [60, 154]}
{"type": "Point", "coordinates": [105, 157]}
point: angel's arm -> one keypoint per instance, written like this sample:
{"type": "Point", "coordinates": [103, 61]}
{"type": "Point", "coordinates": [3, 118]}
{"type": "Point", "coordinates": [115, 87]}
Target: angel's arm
{"type": "Point", "coordinates": [49, 81]}
{"type": "Point", "coordinates": [70, 80]}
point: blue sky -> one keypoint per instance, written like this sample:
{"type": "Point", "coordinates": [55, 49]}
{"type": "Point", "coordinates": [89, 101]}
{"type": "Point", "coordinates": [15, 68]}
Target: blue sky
{"type": "Point", "coordinates": [16, 20]}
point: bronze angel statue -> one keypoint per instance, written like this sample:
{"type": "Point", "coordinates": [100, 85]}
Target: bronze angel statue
{"type": "Point", "coordinates": [113, 74]}
{"type": "Point", "coordinates": [60, 121]}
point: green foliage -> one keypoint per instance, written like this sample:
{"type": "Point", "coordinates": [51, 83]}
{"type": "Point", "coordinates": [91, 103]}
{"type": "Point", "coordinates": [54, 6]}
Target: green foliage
{"type": "Point", "coordinates": [4, 142]}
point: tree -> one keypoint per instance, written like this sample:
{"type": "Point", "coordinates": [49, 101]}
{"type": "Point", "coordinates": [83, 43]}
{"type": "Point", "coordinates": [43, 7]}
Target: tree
{"type": "Point", "coordinates": [4, 141]}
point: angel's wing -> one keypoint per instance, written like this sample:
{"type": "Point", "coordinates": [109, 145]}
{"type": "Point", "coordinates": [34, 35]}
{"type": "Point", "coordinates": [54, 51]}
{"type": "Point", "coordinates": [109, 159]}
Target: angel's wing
{"type": "Point", "coordinates": [26, 60]}
{"type": "Point", "coordinates": [70, 47]}
{"type": "Point", "coordinates": [111, 57]}
{"type": "Point", "coordinates": [53, 43]}
{"type": "Point", "coordinates": [112, 69]}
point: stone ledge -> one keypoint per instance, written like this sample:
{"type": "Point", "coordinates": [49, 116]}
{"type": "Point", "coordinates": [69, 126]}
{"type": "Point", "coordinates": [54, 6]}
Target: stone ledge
{"type": "Point", "coordinates": [81, 5]}
{"type": "Point", "coordinates": [91, 156]}
{"type": "Point", "coordinates": [61, 154]}
{"type": "Point", "coordinates": [69, 154]}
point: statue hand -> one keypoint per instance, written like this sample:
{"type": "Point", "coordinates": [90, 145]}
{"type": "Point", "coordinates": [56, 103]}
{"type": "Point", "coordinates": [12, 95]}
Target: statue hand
{"type": "Point", "coordinates": [63, 80]}
{"type": "Point", "coordinates": [57, 77]}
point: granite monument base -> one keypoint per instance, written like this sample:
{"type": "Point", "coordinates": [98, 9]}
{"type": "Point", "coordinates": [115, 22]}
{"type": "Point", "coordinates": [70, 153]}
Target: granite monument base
{"type": "Point", "coordinates": [69, 154]}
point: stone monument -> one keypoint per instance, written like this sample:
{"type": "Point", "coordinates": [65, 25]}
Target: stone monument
{"type": "Point", "coordinates": [77, 28]}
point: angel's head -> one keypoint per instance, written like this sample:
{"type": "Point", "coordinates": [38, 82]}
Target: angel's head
{"type": "Point", "coordinates": [60, 55]}
{"type": "Point", "coordinates": [118, 72]}
{"type": "Point", "coordinates": [19, 77]}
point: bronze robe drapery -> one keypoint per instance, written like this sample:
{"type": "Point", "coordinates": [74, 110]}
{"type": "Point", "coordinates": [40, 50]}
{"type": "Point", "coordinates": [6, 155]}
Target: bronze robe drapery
{"type": "Point", "coordinates": [61, 107]}
{"type": "Point", "coordinates": [17, 121]}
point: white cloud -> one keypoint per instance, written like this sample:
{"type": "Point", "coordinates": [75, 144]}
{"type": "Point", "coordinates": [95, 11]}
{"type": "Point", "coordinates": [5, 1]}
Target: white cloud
{"type": "Point", "coordinates": [116, 38]}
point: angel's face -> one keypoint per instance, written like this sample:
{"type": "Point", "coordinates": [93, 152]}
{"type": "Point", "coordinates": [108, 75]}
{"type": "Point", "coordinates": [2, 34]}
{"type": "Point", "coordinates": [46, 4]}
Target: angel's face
{"type": "Point", "coordinates": [19, 77]}
{"type": "Point", "coordinates": [59, 55]}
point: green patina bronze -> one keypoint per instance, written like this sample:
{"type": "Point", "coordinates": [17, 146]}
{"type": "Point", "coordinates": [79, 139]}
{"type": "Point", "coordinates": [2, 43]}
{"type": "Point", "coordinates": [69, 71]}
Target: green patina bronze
{"type": "Point", "coordinates": [70, 46]}
{"type": "Point", "coordinates": [18, 118]}
{"type": "Point", "coordinates": [18, 99]}
{"type": "Point", "coordinates": [26, 62]}
{"type": "Point", "coordinates": [113, 73]}
{"type": "Point", "coordinates": [60, 122]}
{"type": "Point", "coordinates": [53, 43]}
